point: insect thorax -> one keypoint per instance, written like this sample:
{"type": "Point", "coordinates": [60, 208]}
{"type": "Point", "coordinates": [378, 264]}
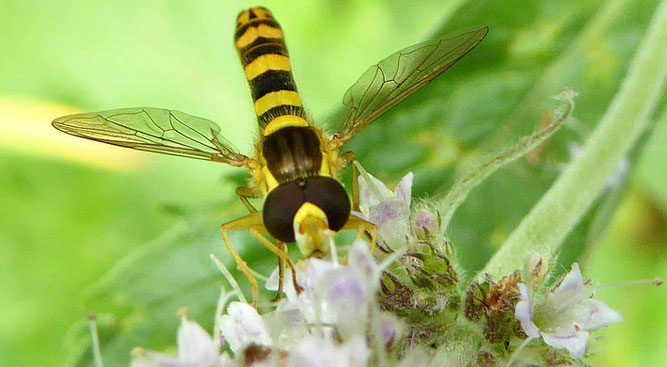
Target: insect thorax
{"type": "Point", "coordinates": [293, 152]}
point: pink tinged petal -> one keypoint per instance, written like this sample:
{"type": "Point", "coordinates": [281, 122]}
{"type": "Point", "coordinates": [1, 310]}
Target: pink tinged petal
{"type": "Point", "coordinates": [308, 274]}
{"type": "Point", "coordinates": [591, 314]}
{"type": "Point", "coordinates": [242, 325]}
{"type": "Point", "coordinates": [390, 328]}
{"type": "Point", "coordinates": [289, 314]}
{"type": "Point", "coordinates": [195, 345]}
{"type": "Point", "coordinates": [575, 342]}
{"type": "Point", "coordinates": [403, 190]}
{"type": "Point", "coordinates": [346, 295]}
{"type": "Point", "coordinates": [392, 219]}
{"type": "Point", "coordinates": [343, 287]}
{"type": "Point", "coordinates": [360, 259]}
{"type": "Point", "coordinates": [570, 290]}
{"type": "Point", "coordinates": [524, 312]}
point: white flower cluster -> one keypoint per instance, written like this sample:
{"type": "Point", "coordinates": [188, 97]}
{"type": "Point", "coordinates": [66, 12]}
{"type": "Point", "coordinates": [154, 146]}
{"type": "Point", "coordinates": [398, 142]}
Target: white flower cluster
{"type": "Point", "coordinates": [335, 320]}
{"type": "Point", "coordinates": [564, 316]}
{"type": "Point", "coordinates": [326, 324]}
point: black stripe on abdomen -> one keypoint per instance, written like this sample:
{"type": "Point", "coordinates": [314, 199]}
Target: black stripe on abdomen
{"type": "Point", "coordinates": [271, 81]}
{"type": "Point", "coordinates": [277, 48]}
{"type": "Point", "coordinates": [278, 111]}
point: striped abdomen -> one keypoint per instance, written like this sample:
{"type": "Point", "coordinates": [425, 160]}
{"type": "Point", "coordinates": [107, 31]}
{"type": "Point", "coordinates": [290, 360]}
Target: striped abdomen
{"type": "Point", "coordinates": [259, 41]}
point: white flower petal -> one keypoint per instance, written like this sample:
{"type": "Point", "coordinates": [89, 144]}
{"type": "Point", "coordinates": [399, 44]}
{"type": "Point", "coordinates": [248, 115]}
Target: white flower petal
{"type": "Point", "coordinates": [360, 259]}
{"type": "Point", "coordinates": [242, 325]}
{"type": "Point", "coordinates": [524, 312]}
{"type": "Point", "coordinates": [389, 211]}
{"type": "Point", "coordinates": [274, 279]}
{"type": "Point", "coordinates": [371, 192]}
{"type": "Point", "coordinates": [357, 351]}
{"type": "Point", "coordinates": [570, 290]}
{"type": "Point", "coordinates": [194, 344]}
{"type": "Point", "coordinates": [392, 219]}
{"type": "Point", "coordinates": [317, 352]}
{"type": "Point", "coordinates": [286, 325]}
{"type": "Point", "coordinates": [323, 352]}
{"type": "Point", "coordinates": [565, 315]}
{"type": "Point", "coordinates": [591, 314]}
{"type": "Point", "coordinates": [575, 342]}
{"type": "Point", "coordinates": [345, 295]}
{"type": "Point", "coordinates": [403, 190]}
{"type": "Point", "coordinates": [308, 274]}
{"type": "Point", "coordinates": [390, 327]}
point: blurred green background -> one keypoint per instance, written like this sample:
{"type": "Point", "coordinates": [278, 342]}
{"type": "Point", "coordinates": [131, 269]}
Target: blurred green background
{"type": "Point", "coordinates": [71, 210]}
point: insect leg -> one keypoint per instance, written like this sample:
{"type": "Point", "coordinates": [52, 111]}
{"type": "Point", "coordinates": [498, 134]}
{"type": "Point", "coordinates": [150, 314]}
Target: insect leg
{"type": "Point", "coordinates": [363, 227]}
{"type": "Point", "coordinates": [281, 271]}
{"type": "Point", "coordinates": [245, 192]}
{"type": "Point", "coordinates": [242, 223]}
{"type": "Point", "coordinates": [278, 251]}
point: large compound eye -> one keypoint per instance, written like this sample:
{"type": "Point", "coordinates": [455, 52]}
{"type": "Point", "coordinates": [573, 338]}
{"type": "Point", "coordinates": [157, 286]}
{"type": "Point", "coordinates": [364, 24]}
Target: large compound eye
{"type": "Point", "coordinates": [330, 196]}
{"type": "Point", "coordinates": [280, 207]}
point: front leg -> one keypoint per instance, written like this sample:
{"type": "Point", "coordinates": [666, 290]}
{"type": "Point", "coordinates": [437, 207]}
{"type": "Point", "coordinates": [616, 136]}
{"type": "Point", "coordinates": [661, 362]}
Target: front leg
{"type": "Point", "coordinates": [245, 192]}
{"type": "Point", "coordinates": [247, 222]}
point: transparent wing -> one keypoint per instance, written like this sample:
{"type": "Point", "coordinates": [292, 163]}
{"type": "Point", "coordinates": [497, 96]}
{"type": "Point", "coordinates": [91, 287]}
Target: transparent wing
{"type": "Point", "coordinates": [395, 78]}
{"type": "Point", "coordinates": [154, 130]}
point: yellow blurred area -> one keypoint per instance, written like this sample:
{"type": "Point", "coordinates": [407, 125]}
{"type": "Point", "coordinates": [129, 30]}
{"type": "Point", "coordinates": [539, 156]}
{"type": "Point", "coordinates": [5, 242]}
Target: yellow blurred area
{"type": "Point", "coordinates": [25, 126]}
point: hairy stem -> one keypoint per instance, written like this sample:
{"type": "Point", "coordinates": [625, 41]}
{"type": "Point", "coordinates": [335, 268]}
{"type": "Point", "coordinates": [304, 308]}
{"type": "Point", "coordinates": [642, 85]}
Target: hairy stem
{"type": "Point", "coordinates": [462, 187]}
{"type": "Point", "coordinates": [571, 196]}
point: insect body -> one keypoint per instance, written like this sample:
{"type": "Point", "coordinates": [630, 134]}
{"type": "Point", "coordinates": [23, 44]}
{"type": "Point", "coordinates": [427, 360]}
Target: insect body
{"type": "Point", "coordinates": [295, 164]}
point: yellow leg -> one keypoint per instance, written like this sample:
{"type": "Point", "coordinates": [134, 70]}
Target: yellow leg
{"type": "Point", "coordinates": [242, 223]}
{"type": "Point", "coordinates": [244, 193]}
{"type": "Point", "coordinates": [278, 251]}
{"type": "Point", "coordinates": [363, 227]}
{"type": "Point", "coordinates": [281, 272]}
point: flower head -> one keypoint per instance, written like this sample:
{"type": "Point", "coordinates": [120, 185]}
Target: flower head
{"type": "Point", "coordinates": [564, 317]}
{"type": "Point", "coordinates": [388, 210]}
{"type": "Point", "coordinates": [331, 293]}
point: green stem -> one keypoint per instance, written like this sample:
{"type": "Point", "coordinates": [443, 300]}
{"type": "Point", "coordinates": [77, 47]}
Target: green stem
{"type": "Point", "coordinates": [462, 187]}
{"type": "Point", "coordinates": [571, 196]}
{"type": "Point", "coordinates": [95, 341]}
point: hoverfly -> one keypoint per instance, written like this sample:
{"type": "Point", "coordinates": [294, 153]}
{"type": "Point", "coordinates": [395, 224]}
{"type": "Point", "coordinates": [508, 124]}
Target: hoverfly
{"type": "Point", "coordinates": [295, 164]}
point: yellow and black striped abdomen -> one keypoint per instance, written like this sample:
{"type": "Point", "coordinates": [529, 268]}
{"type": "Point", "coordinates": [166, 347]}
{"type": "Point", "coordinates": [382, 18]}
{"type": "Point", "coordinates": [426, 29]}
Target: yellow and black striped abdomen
{"type": "Point", "coordinates": [261, 46]}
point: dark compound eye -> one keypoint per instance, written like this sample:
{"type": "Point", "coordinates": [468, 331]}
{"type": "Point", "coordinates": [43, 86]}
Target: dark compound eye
{"type": "Point", "coordinates": [284, 201]}
{"type": "Point", "coordinates": [330, 196]}
{"type": "Point", "coordinates": [280, 207]}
